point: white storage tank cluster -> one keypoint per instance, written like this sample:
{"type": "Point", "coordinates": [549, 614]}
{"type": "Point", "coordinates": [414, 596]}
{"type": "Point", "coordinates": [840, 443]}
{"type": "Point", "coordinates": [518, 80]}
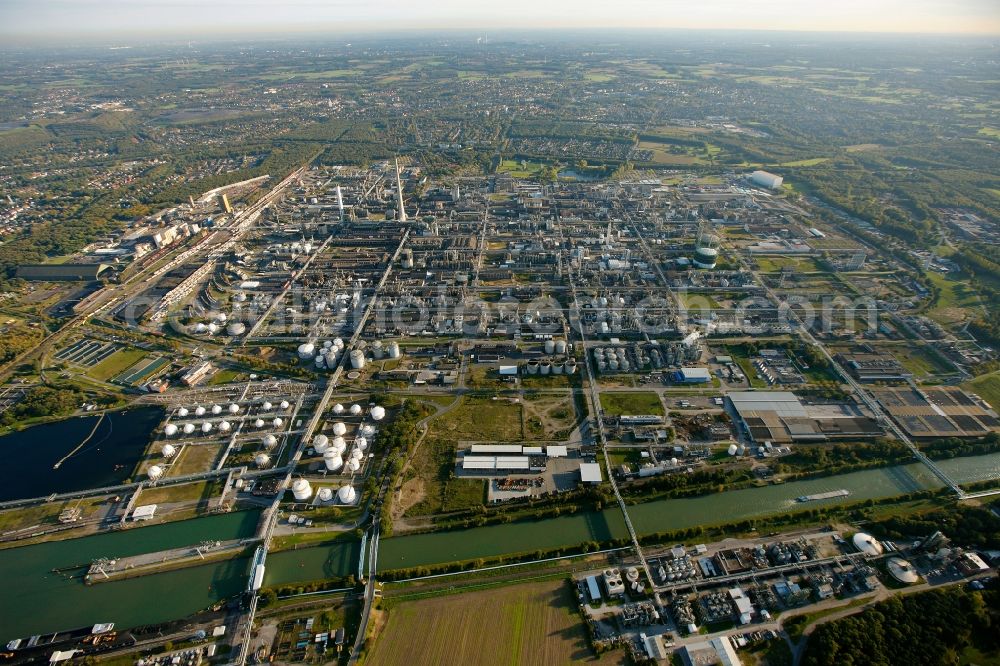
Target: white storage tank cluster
{"type": "Point", "coordinates": [301, 490]}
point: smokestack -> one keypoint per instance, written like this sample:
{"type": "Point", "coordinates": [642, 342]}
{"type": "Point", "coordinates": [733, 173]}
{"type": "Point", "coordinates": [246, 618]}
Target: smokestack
{"type": "Point", "coordinates": [399, 194]}
{"type": "Point", "coordinates": [340, 203]}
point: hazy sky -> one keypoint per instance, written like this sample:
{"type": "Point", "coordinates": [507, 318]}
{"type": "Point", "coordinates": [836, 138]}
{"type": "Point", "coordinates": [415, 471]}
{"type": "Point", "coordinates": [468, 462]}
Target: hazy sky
{"type": "Point", "coordinates": [89, 18]}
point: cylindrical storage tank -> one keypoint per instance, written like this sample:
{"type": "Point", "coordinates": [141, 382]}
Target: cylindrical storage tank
{"type": "Point", "coordinates": [571, 366]}
{"type": "Point", "coordinates": [262, 460]}
{"type": "Point", "coordinates": [225, 426]}
{"type": "Point", "coordinates": [361, 443]}
{"type": "Point", "coordinates": [306, 350]}
{"type": "Point", "coordinates": [199, 411]}
{"type": "Point", "coordinates": [332, 460]}
{"type": "Point", "coordinates": [259, 423]}
{"type": "Point", "coordinates": [560, 346]}
{"type": "Point", "coordinates": [353, 465]}
{"type": "Point", "coordinates": [216, 409]}
{"type": "Point", "coordinates": [182, 412]}
{"type": "Point", "coordinates": [355, 410]}
{"type": "Point", "coordinates": [188, 428]}
{"type": "Point", "coordinates": [234, 408]}
{"type": "Point", "coordinates": [320, 362]}
{"type": "Point", "coordinates": [321, 443]}
{"type": "Point", "coordinates": [277, 422]}
{"type": "Point", "coordinates": [325, 495]}
{"type": "Point", "coordinates": [394, 350]}
{"type": "Point", "coordinates": [733, 449]}
{"type": "Point", "coordinates": [632, 574]}
{"type": "Point", "coordinates": [357, 359]}
{"type": "Point", "coordinates": [339, 429]}
{"type": "Point", "coordinates": [557, 368]}
{"type": "Point", "coordinates": [200, 328]}
{"type": "Point", "coordinates": [357, 454]}
{"type": "Point", "coordinates": [338, 444]}
{"type": "Point", "coordinates": [377, 351]}
{"type": "Point", "coordinates": [347, 495]}
{"type": "Point", "coordinates": [545, 367]}
{"type": "Point", "coordinates": [377, 413]}
{"type": "Point", "coordinates": [154, 472]}
{"type": "Point", "coordinates": [673, 462]}
{"type": "Point", "coordinates": [338, 408]}
{"type": "Point", "coordinates": [604, 328]}
{"type": "Point", "coordinates": [613, 365]}
{"type": "Point", "coordinates": [236, 328]}
{"type": "Point", "coordinates": [301, 490]}
{"type": "Point", "coordinates": [550, 346]}
{"type": "Point", "coordinates": [169, 451]}
{"type": "Point", "coordinates": [328, 344]}
{"type": "Point", "coordinates": [270, 441]}
{"type": "Point", "coordinates": [369, 429]}
{"type": "Point", "coordinates": [532, 367]}
{"type": "Point", "coordinates": [602, 366]}
{"type": "Point", "coordinates": [213, 328]}
{"type": "Point", "coordinates": [170, 430]}
{"type": "Point", "coordinates": [206, 427]}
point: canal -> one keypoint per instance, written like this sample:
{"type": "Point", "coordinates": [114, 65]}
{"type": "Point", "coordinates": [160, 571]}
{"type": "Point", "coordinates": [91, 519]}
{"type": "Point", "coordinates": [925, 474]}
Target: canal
{"type": "Point", "coordinates": [39, 600]}
{"type": "Point", "coordinates": [109, 456]}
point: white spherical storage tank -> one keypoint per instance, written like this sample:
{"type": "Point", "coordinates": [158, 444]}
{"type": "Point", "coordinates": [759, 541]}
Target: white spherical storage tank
{"type": "Point", "coordinates": [169, 451]}
{"type": "Point", "coordinates": [270, 441]}
{"type": "Point", "coordinates": [225, 426]}
{"type": "Point", "coordinates": [154, 472]}
{"type": "Point", "coordinates": [262, 460]}
{"type": "Point", "coordinates": [266, 406]}
{"type": "Point", "coordinates": [378, 413]}
{"type": "Point", "coordinates": [338, 408]}
{"type": "Point", "coordinates": [216, 409]}
{"type": "Point", "coordinates": [182, 412]}
{"type": "Point", "coordinates": [339, 428]}
{"type": "Point", "coordinates": [188, 428]}
{"type": "Point", "coordinates": [283, 404]}
{"type": "Point", "coordinates": [347, 495]}
{"type": "Point", "coordinates": [234, 408]}
{"type": "Point", "coordinates": [301, 490]}
{"type": "Point", "coordinates": [277, 422]}
{"type": "Point", "coordinates": [355, 410]}
{"type": "Point", "coordinates": [199, 411]}
{"type": "Point", "coordinates": [321, 443]}
{"type": "Point", "coordinates": [332, 460]}
{"type": "Point", "coordinates": [170, 430]}
{"type": "Point", "coordinates": [325, 495]}
{"type": "Point", "coordinates": [259, 423]}
{"type": "Point", "coordinates": [206, 427]}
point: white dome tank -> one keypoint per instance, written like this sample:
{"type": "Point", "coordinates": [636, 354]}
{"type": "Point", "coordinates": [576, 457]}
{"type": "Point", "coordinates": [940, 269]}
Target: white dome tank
{"type": "Point", "coordinates": [357, 454]}
{"type": "Point", "coordinates": [394, 352]}
{"type": "Point", "coordinates": [225, 426]}
{"type": "Point", "coordinates": [259, 423]}
{"type": "Point", "coordinates": [368, 430]}
{"type": "Point", "coordinates": [321, 443]}
{"type": "Point", "coordinates": [234, 408]}
{"type": "Point", "coordinates": [199, 411]}
{"type": "Point", "coordinates": [262, 460]}
{"type": "Point", "coordinates": [338, 444]}
{"type": "Point", "coordinates": [301, 490]}
{"type": "Point", "coordinates": [170, 430]}
{"type": "Point", "coordinates": [732, 449]}
{"type": "Point", "coordinates": [200, 328]}
{"type": "Point", "coordinates": [347, 495]}
{"type": "Point", "coordinates": [154, 472]}
{"type": "Point", "coordinates": [206, 427]}
{"type": "Point", "coordinates": [325, 495]}
{"type": "Point", "coordinates": [236, 328]}
{"type": "Point", "coordinates": [378, 413]}
{"type": "Point", "coordinates": [213, 328]}
{"type": "Point", "coordinates": [283, 404]}
{"type": "Point", "coordinates": [306, 350]}
{"type": "Point", "coordinates": [277, 422]}
{"type": "Point", "coordinates": [266, 406]}
{"type": "Point", "coordinates": [353, 465]}
{"type": "Point", "coordinates": [338, 408]}
{"type": "Point", "coordinates": [169, 451]}
{"type": "Point", "coordinates": [355, 409]}
{"type": "Point", "coordinates": [361, 443]}
{"type": "Point", "coordinates": [270, 441]}
{"type": "Point", "coordinates": [216, 409]}
{"type": "Point", "coordinates": [188, 428]}
{"type": "Point", "coordinates": [333, 460]}
{"type": "Point", "coordinates": [182, 412]}
{"type": "Point", "coordinates": [339, 429]}
{"type": "Point", "coordinates": [357, 359]}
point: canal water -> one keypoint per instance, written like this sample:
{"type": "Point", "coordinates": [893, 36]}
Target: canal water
{"type": "Point", "coordinates": [107, 459]}
{"type": "Point", "coordinates": [37, 600]}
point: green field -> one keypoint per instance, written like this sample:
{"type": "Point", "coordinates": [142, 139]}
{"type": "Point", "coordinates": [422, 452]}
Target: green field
{"type": "Point", "coordinates": [955, 299]}
{"type": "Point", "coordinates": [986, 387]}
{"type": "Point", "coordinates": [529, 624]}
{"type": "Point", "coordinates": [631, 403]}
{"type": "Point", "coordinates": [115, 364]}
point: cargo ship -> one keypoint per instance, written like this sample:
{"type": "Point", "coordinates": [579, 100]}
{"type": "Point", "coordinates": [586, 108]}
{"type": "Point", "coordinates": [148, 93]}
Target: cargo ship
{"type": "Point", "coordinates": [822, 496]}
{"type": "Point", "coordinates": [60, 637]}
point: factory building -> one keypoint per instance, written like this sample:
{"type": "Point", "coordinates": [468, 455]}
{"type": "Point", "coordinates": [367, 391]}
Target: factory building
{"type": "Point", "coordinates": [779, 417]}
{"type": "Point", "coordinates": [766, 179]}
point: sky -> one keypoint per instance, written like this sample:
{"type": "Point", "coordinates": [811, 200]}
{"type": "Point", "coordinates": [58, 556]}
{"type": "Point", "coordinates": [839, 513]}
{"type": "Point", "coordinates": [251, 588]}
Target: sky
{"type": "Point", "coordinates": [61, 20]}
